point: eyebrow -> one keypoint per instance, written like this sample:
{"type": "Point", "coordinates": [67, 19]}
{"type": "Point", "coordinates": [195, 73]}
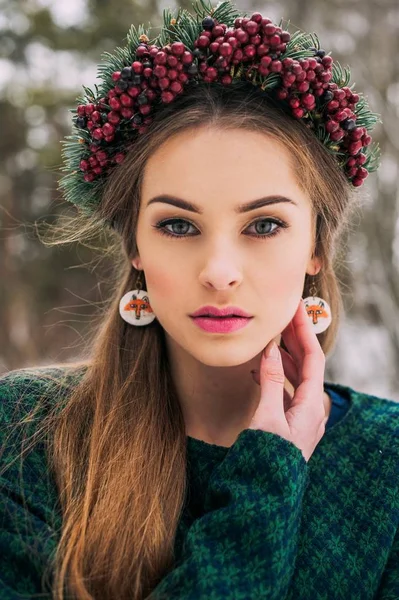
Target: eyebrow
{"type": "Point", "coordinates": [241, 208]}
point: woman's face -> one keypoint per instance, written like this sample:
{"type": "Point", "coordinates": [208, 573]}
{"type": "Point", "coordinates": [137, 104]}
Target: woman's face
{"type": "Point", "coordinates": [215, 257]}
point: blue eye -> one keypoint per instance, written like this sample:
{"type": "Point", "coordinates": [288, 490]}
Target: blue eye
{"type": "Point", "coordinates": [161, 226]}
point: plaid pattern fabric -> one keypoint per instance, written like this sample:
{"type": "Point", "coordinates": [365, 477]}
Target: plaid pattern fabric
{"type": "Point", "coordinates": [259, 522]}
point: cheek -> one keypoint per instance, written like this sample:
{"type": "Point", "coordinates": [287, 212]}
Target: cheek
{"type": "Point", "coordinates": [162, 284]}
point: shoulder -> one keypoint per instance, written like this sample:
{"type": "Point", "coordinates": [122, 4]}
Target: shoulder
{"type": "Point", "coordinates": [27, 396]}
{"type": "Point", "coordinates": [372, 418]}
{"type": "Point", "coordinates": [21, 389]}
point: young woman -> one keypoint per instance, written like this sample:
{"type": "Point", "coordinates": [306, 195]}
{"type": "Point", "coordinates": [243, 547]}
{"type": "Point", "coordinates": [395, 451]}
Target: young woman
{"type": "Point", "coordinates": [196, 451]}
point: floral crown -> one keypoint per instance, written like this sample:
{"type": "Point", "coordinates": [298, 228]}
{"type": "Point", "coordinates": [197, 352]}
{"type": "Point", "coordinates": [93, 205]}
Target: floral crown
{"type": "Point", "coordinates": [216, 45]}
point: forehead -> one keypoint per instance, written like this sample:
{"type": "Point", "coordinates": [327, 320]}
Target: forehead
{"type": "Point", "coordinates": [209, 163]}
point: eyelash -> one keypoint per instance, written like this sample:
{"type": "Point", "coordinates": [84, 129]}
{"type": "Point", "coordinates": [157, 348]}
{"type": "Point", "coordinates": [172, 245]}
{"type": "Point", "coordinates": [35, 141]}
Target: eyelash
{"type": "Point", "coordinates": [162, 224]}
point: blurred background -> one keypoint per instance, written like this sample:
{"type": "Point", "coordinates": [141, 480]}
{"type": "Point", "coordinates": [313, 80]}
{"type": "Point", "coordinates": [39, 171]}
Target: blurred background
{"type": "Point", "coordinates": [48, 296]}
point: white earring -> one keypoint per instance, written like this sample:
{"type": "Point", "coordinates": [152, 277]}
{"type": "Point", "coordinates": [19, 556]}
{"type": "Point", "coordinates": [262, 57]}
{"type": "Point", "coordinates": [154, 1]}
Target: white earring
{"type": "Point", "coordinates": [135, 307]}
{"type": "Point", "coordinates": [319, 311]}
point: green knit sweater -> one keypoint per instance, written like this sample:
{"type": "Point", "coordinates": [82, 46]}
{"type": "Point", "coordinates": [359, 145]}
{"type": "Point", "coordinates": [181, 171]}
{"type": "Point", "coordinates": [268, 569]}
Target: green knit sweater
{"type": "Point", "coordinates": [259, 522]}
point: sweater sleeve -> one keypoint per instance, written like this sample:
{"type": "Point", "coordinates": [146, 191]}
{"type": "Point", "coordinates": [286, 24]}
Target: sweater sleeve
{"type": "Point", "coordinates": [245, 545]}
{"type": "Point", "coordinates": [389, 585]}
{"type": "Point", "coordinates": [28, 523]}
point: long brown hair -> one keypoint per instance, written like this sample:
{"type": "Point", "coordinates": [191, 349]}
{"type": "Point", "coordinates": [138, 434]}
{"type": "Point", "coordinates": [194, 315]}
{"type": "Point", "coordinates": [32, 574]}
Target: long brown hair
{"type": "Point", "coordinates": [118, 446]}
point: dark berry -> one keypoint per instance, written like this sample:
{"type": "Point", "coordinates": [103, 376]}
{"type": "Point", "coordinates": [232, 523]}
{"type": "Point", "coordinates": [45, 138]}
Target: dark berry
{"type": "Point", "coordinates": [208, 23]}
{"type": "Point", "coordinates": [81, 122]}
{"type": "Point", "coordinates": [348, 124]}
{"type": "Point", "coordinates": [126, 72]}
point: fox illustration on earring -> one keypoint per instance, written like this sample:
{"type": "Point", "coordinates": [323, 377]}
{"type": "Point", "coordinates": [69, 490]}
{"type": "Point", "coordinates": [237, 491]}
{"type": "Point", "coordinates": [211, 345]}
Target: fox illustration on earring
{"type": "Point", "coordinates": [134, 306]}
{"type": "Point", "coordinates": [319, 311]}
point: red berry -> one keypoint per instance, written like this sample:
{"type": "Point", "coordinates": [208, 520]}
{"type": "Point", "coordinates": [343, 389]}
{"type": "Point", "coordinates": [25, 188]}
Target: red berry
{"type": "Point", "coordinates": [327, 61]}
{"type": "Point", "coordinates": [114, 103]}
{"type": "Point", "coordinates": [242, 36]}
{"type": "Point", "coordinates": [357, 134]}
{"type": "Point", "coordinates": [357, 181]}
{"type": "Point", "coordinates": [337, 135]}
{"type": "Point", "coordinates": [303, 87]}
{"type": "Point", "coordinates": [275, 40]}
{"type": "Point", "coordinates": [285, 36]}
{"type": "Point", "coordinates": [217, 31]}
{"type": "Point", "coordinates": [262, 49]}
{"type": "Point", "coordinates": [226, 79]}
{"type": "Point", "coordinates": [126, 113]}
{"type": "Point", "coordinates": [137, 67]}
{"type": "Point", "coordinates": [97, 170]}
{"type": "Point", "coordinates": [276, 66]}
{"type": "Point", "coordinates": [126, 100]}
{"type": "Point", "coordinates": [116, 75]}
{"type": "Point", "coordinates": [89, 109]}
{"type": "Point", "coordinates": [96, 117]}
{"type": "Point", "coordinates": [251, 27]}
{"type": "Point", "coordinates": [187, 58]}
{"type": "Point", "coordinates": [249, 51]}
{"type": "Point", "coordinates": [89, 177]}
{"type": "Point", "coordinates": [294, 102]}
{"type": "Point", "coordinates": [226, 50]}
{"type": "Point", "coordinates": [332, 126]}
{"type": "Point", "coordinates": [113, 117]}
{"type": "Point", "coordinates": [93, 161]}
{"type": "Point", "coordinates": [366, 140]}
{"type": "Point", "coordinates": [133, 91]}
{"type": "Point", "coordinates": [176, 87]}
{"type": "Point", "coordinates": [256, 40]}
{"type": "Point", "coordinates": [269, 29]}
{"type": "Point", "coordinates": [352, 172]}
{"type": "Point", "coordinates": [354, 147]}
{"type": "Point", "coordinates": [362, 172]}
{"type": "Point", "coordinates": [81, 110]}
{"type": "Point", "coordinates": [164, 83]}
{"type": "Point", "coordinates": [203, 41]}
{"type": "Point", "coordinates": [172, 60]}
{"type": "Point", "coordinates": [167, 97]}
{"type": "Point", "coordinates": [102, 155]}
{"type": "Point", "coordinates": [177, 48]}
{"type": "Point", "coordinates": [332, 105]}
{"type": "Point", "coordinates": [257, 17]}
{"type": "Point", "coordinates": [282, 94]}
{"type": "Point", "coordinates": [98, 134]}
{"type": "Point", "coordinates": [108, 129]}
{"type": "Point", "coordinates": [84, 165]}
{"type": "Point", "coordinates": [308, 101]}
{"type": "Point", "coordinates": [160, 58]}
{"type": "Point", "coordinates": [361, 159]}
{"type": "Point", "coordinates": [214, 47]}
{"type": "Point", "coordinates": [145, 109]}
{"type": "Point", "coordinates": [160, 71]}
{"type": "Point", "coordinates": [119, 158]}
{"type": "Point", "coordinates": [298, 113]}
{"type": "Point", "coordinates": [266, 61]}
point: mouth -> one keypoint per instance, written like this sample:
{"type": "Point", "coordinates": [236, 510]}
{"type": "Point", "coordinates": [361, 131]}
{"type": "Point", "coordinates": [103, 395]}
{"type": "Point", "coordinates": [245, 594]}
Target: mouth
{"type": "Point", "coordinates": [221, 325]}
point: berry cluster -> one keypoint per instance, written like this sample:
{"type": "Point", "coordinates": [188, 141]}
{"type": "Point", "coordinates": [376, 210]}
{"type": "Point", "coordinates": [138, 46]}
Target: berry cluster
{"type": "Point", "coordinates": [252, 48]}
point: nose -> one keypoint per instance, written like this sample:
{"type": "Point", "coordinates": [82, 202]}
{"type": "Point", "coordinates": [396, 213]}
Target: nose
{"type": "Point", "coordinates": [221, 270]}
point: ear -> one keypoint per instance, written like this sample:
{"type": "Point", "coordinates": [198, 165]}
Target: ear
{"type": "Point", "coordinates": [314, 266]}
{"type": "Point", "coordinates": [136, 262]}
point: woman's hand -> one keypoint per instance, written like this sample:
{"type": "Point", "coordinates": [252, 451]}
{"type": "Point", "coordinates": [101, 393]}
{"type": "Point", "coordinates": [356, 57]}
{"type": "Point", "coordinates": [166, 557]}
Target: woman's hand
{"type": "Point", "coordinates": [300, 419]}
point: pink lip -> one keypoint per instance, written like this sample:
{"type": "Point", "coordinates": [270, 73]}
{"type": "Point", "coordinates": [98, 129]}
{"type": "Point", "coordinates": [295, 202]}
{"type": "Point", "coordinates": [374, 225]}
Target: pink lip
{"type": "Point", "coordinates": [223, 325]}
{"type": "Point", "coordinates": [215, 311]}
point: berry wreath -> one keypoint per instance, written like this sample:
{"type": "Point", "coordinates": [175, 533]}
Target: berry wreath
{"type": "Point", "coordinates": [219, 45]}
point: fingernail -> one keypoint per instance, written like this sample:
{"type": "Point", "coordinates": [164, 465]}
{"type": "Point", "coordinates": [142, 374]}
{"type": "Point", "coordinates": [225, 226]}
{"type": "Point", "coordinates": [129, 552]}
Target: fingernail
{"type": "Point", "coordinates": [272, 351]}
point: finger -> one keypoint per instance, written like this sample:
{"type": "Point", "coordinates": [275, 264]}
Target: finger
{"type": "Point", "coordinates": [311, 388]}
{"type": "Point", "coordinates": [272, 381]}
{"type": "Point", "coordinates": [290, 368]}
{"type": "Point", "coordinates": [290, 340]}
